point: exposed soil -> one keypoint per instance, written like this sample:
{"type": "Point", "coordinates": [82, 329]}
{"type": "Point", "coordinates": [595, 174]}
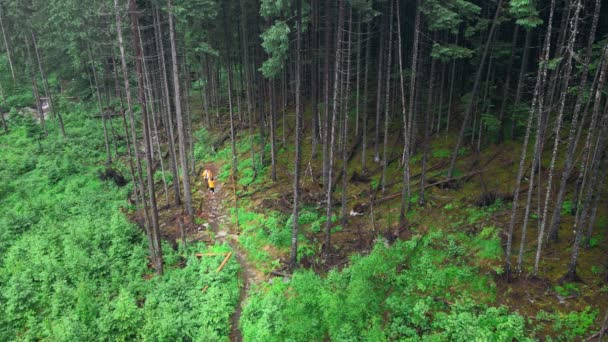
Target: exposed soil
{"type": "Point", "coordinates": [212, 211]}
{"type": "Point", "coordinates": [216, 227]}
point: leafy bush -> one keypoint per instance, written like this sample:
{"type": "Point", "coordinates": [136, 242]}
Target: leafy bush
{"type": "Point", "coordinates": [20, 98]}
{"type": "Point", "coordinates": [395, 293]}
{"type": "Point", "coordinates": [574, 324]}
{"type": "Point", "coordinates": [74, 268]}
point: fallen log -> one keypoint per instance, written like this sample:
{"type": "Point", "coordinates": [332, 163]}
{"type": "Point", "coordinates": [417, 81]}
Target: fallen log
{"type": "Point", "coordinates": [389, 197]}
{"type": "Point", "coordinates": [228, 255]}
{"type": "Point", "coordinates": [220, 142]}
{"type": "Point", "coordinates": [200, 255]}
{"type": "Point", "coordinates": [351, 154]}
{"type": "Point", "coordinates": [224, 262]}
{"type": "Point", "coordinates": [603, 329]}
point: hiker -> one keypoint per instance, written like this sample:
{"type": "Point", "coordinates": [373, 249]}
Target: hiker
{"type": "Point", "coordinates": [207, 175]}
{"type": "Point", "coordinates": [211, 185]}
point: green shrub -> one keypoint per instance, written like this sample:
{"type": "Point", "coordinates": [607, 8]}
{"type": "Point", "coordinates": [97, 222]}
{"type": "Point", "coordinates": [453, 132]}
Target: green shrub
{"type": "Point", "coordinates": [574, 324]}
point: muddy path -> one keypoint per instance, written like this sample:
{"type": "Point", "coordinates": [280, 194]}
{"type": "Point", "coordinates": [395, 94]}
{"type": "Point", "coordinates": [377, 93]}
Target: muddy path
{"type": "Point", "coordinates": [215, 214]}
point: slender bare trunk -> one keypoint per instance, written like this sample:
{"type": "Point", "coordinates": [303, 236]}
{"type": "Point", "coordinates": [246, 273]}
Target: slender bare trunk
{"type": "Point", "coordinates": [296, 178]}
{"type": "Point", "coordinates": [471, 103]}
{"type": "Point", "coordinates": [333, 121]}
{"type": "Point", "coordinates": [181, 133]}
{"type": "Point", "coordinates": [540, 79]}
{"type": "Point", "coordinates": [405, 191]}
{"type": "Point", "coordinates": [387, 99]}
{"type": "Point", "coordinates": [557, 131]}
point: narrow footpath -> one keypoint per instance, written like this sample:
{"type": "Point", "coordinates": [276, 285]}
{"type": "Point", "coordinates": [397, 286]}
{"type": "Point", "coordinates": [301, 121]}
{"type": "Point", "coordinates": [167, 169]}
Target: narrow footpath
{"type": "Point", "coordinates": [218, 221]}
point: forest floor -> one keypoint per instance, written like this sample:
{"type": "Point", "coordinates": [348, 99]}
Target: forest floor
{"type": "Point", "coordinates": [460, 210]}
{"type": "Point", "coordinates": [212, 225]}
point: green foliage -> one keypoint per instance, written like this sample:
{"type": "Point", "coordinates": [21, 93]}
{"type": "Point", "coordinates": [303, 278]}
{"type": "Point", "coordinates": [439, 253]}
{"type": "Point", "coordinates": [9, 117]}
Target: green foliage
{"type": "Point", "coordinates": [488, 244]}
{"type": "Point", "coordinates": [202, 148]}
{"type": "Point", "coordinates": [20, 99]}
{"type": "Point", "coordinates": [567, 206]}
{"type": "Point", "coordinates": [395, 293]}
{"type": "Point", "coordinates": [441, 153]}
{"type": "Point", "coordinates": [525, 13]}
{"type": "Point", "coordinates": [274, 8]}
{"type": "Point", "coordinates": [574, 324]}
{"type": "Point", "coordinates": [74, 268]}
{"type": "Point", "coordinates": [594, 242]}
{"type": "Point", "coordinates": [448, 15]}
{"type": "Point", "coordinates": [446, 52]}
{"type": "Point", "coordinates": [553, 63]}
{"type": "Point", "coordinates": [275, 41]}
{"type": "Point", "coordinates": [567, 289]}
{"type": "Point", "coordinates": [491, 123]}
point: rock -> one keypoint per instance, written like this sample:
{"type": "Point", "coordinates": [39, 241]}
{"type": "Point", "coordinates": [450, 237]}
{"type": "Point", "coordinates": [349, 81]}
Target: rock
{"type": "Point", "coordinates": [354, 213]}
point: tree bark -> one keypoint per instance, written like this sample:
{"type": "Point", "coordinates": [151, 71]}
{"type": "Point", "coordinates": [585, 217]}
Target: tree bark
{"type": "Point", "coordinates": [405, 192]}
{"type": "Point", "coordinates": [573, 137]}
{"type": "Point", "coordinates": [7, 47]}
{"type": "Point", "coordinates": [471, 103]}
{"type": "Point", "coordinates": [540, 79]}
{"type": "Point", "coordinates": [153, 232]}
{"type": "Point", "coordinates": [520, 79]}
{"type": "Point", "coordinates": [425, 143]}
{"type": "Point", "coordinates": [167, 104]}
{"type": "Point", "coordinates": [387, 99]}
{"type": "Point", "coordinates": [345, 125]}
{"type": "Point", "coordinates": [181, 133]}
{"type": "Point", "coordinates": [365, 99]}
{"type": "Point", "coordinates": [333, 121]}
{"type": "Point", "coordinates": [297, 161]}
{"type": "Point", "coordinates": [379, 97]}
{"type": "Point", "coordinates": [557, 131]}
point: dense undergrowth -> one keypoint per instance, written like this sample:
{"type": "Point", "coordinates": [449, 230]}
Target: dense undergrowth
{"type": "Point", "coordinates": [74, 268]}
{"type": "Point", "coordinates": [438, 285]}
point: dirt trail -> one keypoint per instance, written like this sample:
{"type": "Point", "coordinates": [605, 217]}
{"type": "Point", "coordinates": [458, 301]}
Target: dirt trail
{"type": "Point", "coordinates": [219, 222]}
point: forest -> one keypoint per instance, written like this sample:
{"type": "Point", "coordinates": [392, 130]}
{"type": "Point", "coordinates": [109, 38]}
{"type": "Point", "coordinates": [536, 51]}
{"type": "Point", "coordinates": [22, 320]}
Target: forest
{"type": "Point", "coordinates": [303, 170]}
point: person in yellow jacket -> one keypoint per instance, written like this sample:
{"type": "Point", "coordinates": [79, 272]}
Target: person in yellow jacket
{"type": "Point", "coordinates": [211, 185]}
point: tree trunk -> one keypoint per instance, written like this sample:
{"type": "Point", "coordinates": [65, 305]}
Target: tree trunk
{"type": "Point", "coordinates": [451, 94]}
{"type": "Point", "coordinates": [154, 127]}
{"type": "Point", "coordinates": [440, 104]}
{"type": "Point", "coordinates": [273, 130]}
{"type": "Point", "coordinates": [153, 232]}
{"type": "Point", "coordinates": [47, 91]}
{"type": "Point", "coordinates": [7, 46]}
{"type": "Point", "coordinates": [101, 111]}
{"type": "Point", "coordinates": [379, 97]}
{"type": "Point", "coordinates": [405, 192]}
{"type": "Point", "coordinates": [181, 133]}
{"type": "Point", "coordinates": [234, 173]}
{"type": "Point", "coordinates": [357, 81]}
{"type": "Point", "coordinates": [557, 131]}
{"type": "Point", "coordinates": [327, 119]}
{"type": "Point", "coordinates": [540, 79]}
{"type": "Point", "coordinates": [387, 99]}
{"type": "Point", "coordinates": [365, 99]}
{"type": "Point", "coordinates": [333, 122]}
{"type": "Point", "coordinates": [573, 137]}
{"type": "Point", "coordinates": [520, 79]}
{"type": "Point", "coordinates": [425, 143]}
{"type": "Point", "coordinates": [296, 178]}
{"type": "Point", "coordinates": [471, 103]}
{"type": "Point", "coordinates": [505, 93]}
{"type": "Point", "coordinates": [345, 125]}
{"type": "Point", "coordinates": [165, 90]}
